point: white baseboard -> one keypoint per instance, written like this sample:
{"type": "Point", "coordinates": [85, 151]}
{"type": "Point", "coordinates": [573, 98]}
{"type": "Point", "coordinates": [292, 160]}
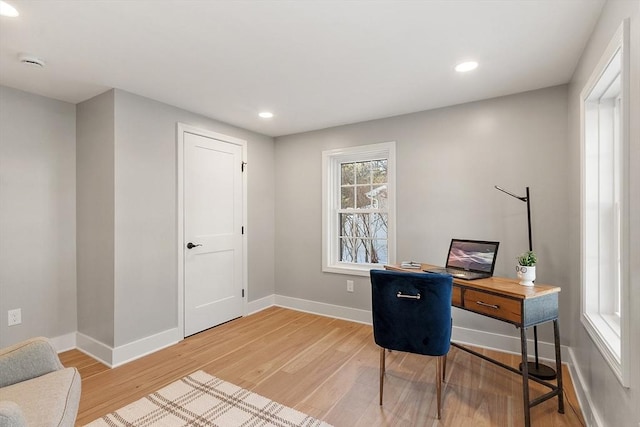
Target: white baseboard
{"type": "Point", "coordinates": [591, 415]}
{"type": "Point", "coordinates": [114, 357]}
{"type": "Point", "coordinates": [64, 342]}
{"type": "Point", "coordinates": [147, 345]}
{"type": "Point", "coordinates": [323, 309]}
{"type": "Point", "coordinates": [260, 304]}
{"type": "Point", "coordinates": [94, 348]}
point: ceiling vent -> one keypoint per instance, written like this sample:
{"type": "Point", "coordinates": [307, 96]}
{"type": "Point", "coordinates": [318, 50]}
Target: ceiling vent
{"type": "Point", "coordinates": [31, 60]}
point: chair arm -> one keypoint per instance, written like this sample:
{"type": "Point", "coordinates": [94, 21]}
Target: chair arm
{"type": "Point", "coordinates": [26, 360]}
{"type": "Point", "coordinates": [11, 415]}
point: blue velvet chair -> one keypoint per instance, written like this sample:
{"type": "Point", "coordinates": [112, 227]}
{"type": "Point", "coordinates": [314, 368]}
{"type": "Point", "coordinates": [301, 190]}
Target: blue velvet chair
{"type": "Point", "coordinates": [412, 313]}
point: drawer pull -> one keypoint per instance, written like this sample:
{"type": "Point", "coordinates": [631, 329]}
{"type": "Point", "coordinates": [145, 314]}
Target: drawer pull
{"type": "Point", "coordinates": [484, 304]}
{"type": "Point", "coordinates": [401, 295]}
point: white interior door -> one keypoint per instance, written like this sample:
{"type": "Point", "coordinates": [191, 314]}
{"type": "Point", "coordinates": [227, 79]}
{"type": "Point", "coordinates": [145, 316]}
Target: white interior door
{"type": "Point", "coordinates": [213, 243]}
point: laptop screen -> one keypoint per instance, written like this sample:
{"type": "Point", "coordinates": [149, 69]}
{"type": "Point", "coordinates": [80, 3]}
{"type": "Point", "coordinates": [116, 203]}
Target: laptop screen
{"type": "Point", "coordinates": [473, 255]}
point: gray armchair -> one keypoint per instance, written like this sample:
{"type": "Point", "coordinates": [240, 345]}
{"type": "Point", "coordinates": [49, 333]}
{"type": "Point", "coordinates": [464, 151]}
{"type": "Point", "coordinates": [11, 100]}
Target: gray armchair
{"type": "Point", "coordinates": [35, 389]}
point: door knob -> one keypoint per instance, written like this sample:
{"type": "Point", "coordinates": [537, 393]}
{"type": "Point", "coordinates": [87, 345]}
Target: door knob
{"type": "Point", "coordinates": [191, 245]}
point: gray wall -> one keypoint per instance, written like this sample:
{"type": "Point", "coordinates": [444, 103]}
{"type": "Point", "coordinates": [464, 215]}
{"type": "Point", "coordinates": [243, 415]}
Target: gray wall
{"type": "Point", "coordinates": [448, 161]}
{"type": "Point", "coordinates": [95, 217]}
{"type": "Point", "coordinates": [146, 235]}
{"type": "Point", "coordinates": [37, 215]}
{"type": "Point", "coordinates": [613, 404]}
{"type": "Point", "coordinates": [143, 286]}
{"type": "Point", "coordinates": [126, 215]}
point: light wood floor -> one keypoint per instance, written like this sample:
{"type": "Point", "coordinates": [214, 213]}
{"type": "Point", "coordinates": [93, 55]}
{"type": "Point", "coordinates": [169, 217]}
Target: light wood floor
{"type": "Point", "coordinates": [327, 368]}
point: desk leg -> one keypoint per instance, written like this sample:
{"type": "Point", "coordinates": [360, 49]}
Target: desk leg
{"type": "Point", "coordinates": [525, 377]}
{"type": "Point", "coordinates": [556, 335]}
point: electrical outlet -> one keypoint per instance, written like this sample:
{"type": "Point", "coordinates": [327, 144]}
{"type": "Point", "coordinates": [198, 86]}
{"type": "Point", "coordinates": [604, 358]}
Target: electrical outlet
{"type": "Point", "coordinates": [349, 285]}
{"type": "Point", "coordinates": [14, 317]}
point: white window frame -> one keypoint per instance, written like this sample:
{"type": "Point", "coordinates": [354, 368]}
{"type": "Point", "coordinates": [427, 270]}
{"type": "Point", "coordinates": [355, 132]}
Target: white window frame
{"type": "Point", "coordinates": [606, 322]}
{"type": "Point", "coordinates": [331, 161]}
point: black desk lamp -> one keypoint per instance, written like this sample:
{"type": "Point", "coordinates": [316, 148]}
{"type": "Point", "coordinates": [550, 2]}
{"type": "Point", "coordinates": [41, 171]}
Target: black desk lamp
{"type": "Point", "coordinates": [536, 369]}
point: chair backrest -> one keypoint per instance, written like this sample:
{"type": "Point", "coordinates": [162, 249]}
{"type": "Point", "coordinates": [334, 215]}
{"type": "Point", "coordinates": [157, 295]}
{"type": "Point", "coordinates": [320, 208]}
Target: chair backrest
{"type": "Point", "coordinates": [404, 322]}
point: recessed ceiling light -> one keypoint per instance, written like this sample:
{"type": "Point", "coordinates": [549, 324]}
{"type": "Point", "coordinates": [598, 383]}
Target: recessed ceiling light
{"type": "Point", "coordinates": [266, 114]}
{"type": "Point", "coordinates": [31, 60]}
{"type": "Point", "coordinates": [463, 67]}
{"type": "Point", "coordinates": [7, 10]}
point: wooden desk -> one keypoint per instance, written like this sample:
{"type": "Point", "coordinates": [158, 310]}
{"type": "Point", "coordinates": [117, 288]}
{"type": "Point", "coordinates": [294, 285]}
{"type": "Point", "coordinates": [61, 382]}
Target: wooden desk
{"type": "Point", "coordinates": [523, 306]}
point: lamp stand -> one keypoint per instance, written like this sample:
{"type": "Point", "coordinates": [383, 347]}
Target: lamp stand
{"type": "Point", "coordinates": [535, 369]}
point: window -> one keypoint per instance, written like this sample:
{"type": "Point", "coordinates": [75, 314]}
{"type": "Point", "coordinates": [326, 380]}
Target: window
{"type": "Point", "coordinates": [358, 208]}
{"type": "Point", "coordinates": [604, 209]}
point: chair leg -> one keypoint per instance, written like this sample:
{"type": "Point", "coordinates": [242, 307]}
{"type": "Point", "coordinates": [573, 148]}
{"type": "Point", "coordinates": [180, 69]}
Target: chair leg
{"type": "Point", "coordinates": [382, 370]}
{"type": "Point", "coordinates": [439, 362]}
{"type": "Point", "coordinates": [444, 368]}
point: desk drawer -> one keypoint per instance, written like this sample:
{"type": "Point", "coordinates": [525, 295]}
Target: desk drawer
{"type": "Point", "coordinates": [503, 308]}
{"type": "Point", "coordinates": [456, 296]}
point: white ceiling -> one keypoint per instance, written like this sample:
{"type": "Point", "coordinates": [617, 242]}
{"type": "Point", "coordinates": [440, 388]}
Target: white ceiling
{"type": "Point", "coordinates": [315, 64]}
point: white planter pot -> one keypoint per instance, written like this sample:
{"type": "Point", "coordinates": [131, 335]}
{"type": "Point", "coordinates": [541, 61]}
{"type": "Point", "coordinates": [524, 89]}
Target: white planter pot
{"type": "Point", "coordinates": [526, 274]}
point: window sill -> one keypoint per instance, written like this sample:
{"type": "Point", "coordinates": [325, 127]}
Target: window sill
{"type": "Point", "coordinates": [607, 341]}
{"type": "Point", "coordinates": [352, 269]}
{"type": "Point", "coordinates": [613, 322]}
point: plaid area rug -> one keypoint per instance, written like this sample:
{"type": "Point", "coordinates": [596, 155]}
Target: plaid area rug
{"type": "Point", "coordinates": [202, 400]}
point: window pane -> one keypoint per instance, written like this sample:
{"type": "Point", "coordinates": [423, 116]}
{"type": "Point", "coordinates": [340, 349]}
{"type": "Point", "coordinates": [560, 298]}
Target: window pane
{"type": "Point", "coordinates": [363, 237]}
{"type": "Point", "coordinates": [363, 172]}
{"type": "Point", "coordinates": [379, 171]}
{"type": "Point", "coordinates": [379, 197]}
{"type": "Point", "coordinates": [378, 226]}
{"type": "Point", "coordinates": [379, 254]}
{"type": "Point", "coordinates": [363, 194]}
{"type": "Point", "coordinates": [346, 250]}
{"type": "Point", "coordinates": [347, 173]}
{"type": "Point", "coordinates": [347, 224]}
{"type": "Point", "coordinates": [361, 228]}
{"type": "Point", "coordinates": [347, 197]}
{"type": "Point", "coordinates": [363, 250]}
{"type": "Point", "coordinates": [602, 193]}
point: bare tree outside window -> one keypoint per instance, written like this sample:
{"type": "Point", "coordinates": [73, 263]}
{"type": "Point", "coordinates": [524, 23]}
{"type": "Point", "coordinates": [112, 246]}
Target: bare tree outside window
{"type": "Point", "coordinates": [363, 212]}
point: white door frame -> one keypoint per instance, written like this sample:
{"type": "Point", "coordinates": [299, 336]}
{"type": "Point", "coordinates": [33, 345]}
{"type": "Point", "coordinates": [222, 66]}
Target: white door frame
{"type": "Point", "coordinates": [181, 130]}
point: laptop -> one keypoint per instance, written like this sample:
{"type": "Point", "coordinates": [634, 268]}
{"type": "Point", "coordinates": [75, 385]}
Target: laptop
{"type": "Point", "coordinates": [469, 259]}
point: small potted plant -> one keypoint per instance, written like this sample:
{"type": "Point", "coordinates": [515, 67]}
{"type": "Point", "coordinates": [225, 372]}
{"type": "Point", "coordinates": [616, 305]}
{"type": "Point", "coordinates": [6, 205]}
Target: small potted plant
{"type": "Point", "coordinates": [526, 268]}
